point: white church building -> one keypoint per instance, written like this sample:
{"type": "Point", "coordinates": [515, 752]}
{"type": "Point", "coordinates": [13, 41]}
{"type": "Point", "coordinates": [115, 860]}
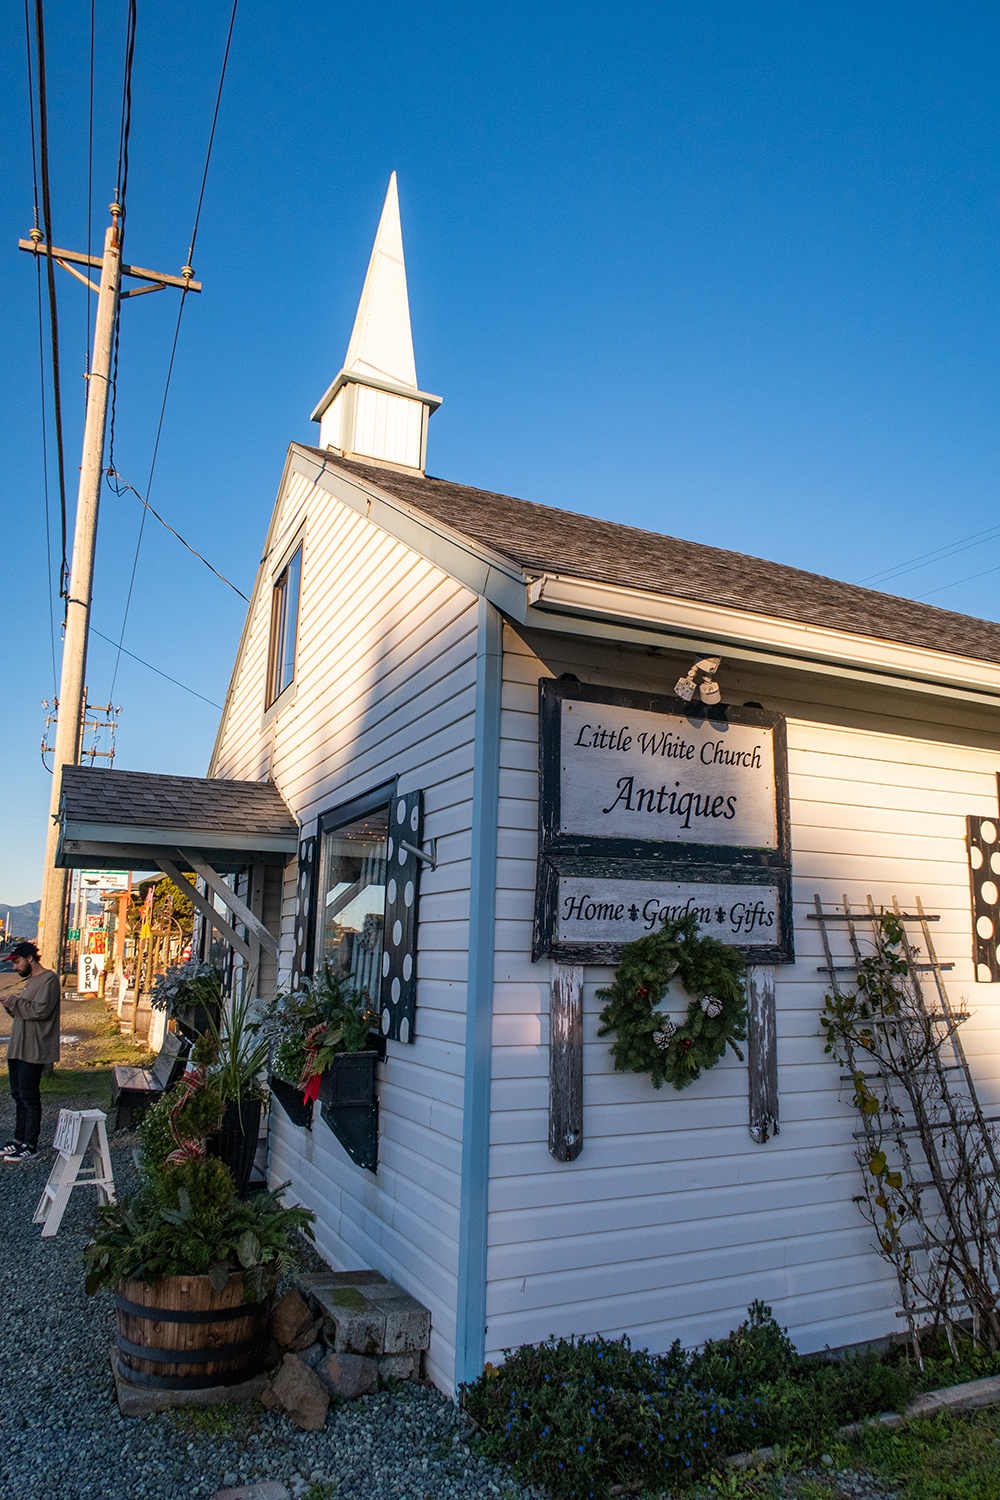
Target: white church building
{"type": "Point", "coordinates": [441, 690]}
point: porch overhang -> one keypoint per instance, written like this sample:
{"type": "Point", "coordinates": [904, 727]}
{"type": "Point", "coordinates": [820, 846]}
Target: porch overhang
{"type": "Point", "coordinates": [133, 819]}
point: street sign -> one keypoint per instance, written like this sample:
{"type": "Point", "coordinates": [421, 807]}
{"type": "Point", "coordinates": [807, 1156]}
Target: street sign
{"type": "Point", "coordinates": [73, 934]}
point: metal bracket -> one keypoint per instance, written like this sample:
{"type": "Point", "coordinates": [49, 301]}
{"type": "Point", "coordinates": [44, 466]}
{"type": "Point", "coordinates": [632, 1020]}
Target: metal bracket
{"type": "Point", "coordinates": [429, 856]}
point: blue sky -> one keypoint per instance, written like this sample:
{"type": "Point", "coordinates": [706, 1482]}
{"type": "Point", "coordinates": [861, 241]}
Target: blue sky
{"type": "Point", "coordinates": [725, 271]}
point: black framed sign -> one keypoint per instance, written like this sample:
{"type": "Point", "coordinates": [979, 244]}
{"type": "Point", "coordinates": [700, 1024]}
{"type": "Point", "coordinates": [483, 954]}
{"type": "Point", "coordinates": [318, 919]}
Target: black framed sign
{"type": "Point", "coordinates": [650, 807]}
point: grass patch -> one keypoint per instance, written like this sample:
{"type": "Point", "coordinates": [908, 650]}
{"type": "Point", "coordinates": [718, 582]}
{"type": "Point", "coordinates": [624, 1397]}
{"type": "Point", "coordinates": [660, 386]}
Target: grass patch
{"type": "Point", "coordinates": [68, 1083]}
{"type": "Point", "coordinates": [950, 1456]}
{"type": "Point", "coordinates": [230, 1419]}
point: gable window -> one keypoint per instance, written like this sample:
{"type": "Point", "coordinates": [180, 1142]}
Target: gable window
{"type": "Point", "coordinates": [284, 627]}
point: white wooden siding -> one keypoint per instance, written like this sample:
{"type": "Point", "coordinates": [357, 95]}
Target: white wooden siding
{"type": "Point", "coordinates": [672, 1220]}
{"type": "Point", "coordinates": [384, 686]}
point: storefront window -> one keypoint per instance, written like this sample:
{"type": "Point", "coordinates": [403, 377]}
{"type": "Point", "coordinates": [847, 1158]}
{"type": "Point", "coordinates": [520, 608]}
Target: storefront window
{"type": "Point", "coordinates": [351, 909]}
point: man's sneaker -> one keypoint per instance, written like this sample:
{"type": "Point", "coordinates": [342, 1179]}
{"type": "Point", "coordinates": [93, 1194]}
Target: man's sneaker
{"type": "Point", "coordinates": [23, 1153]}
{"type": "Point", "coordinates": [9, 1147]}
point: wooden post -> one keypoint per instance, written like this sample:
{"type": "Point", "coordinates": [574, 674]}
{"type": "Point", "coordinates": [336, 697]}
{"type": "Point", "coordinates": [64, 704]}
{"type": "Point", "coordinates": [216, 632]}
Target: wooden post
{"type": "Point", "coordinates": [762, 1053]}
{"type": "Point", "coordinates": [566, 1062]}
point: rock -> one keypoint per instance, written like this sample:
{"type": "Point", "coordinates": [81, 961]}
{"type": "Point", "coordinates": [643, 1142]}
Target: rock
{"type": "Point", "coordinates": [267, 1489]}
{"type": "Point", "coordinates": [300, 1393]}
{"type": "Point", "coordinates": [312, 1355]}
{"type": "Point", "coordinates": [307, 1338]}
{"type": "Point", "coordinates": [968, 1396]}
{"type": "Point", "coordinates": [290, 1319]}
{"type": "Point", "coordinates": [399, 1366]}
{"type": "Point", "coordinates": [349, 1375]}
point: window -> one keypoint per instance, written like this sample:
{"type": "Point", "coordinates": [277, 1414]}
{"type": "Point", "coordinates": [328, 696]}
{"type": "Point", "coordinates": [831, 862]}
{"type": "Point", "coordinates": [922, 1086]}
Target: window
{"type": "Point", "coordinates": [350, 914]}
{"type": "Point", "coordinates": [359, 888]}
{"type": "Point", "coordinates": [284, 627]}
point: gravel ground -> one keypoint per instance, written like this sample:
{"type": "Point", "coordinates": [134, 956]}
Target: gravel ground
{"type": "Point", "coordinates": [63, 1435]}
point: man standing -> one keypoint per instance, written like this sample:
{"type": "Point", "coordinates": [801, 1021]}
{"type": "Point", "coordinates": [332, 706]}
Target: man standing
{"type": "Point", "coordinates": [34, 1041]}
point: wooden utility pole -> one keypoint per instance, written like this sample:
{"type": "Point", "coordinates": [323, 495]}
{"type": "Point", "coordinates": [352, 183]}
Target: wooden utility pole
{"type": "Point", "coordinates": [69, 724]}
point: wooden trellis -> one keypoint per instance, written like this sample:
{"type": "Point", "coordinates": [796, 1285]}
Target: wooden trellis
{"type": "Point", "coordinates": [929, 1156]}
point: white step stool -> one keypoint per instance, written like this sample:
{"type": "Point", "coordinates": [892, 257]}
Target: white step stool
{"type": "Point", "coordinates": [77, 1132]}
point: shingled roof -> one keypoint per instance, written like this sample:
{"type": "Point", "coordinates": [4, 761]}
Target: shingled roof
{"type": "Point", "coordinates": [541, 539]}
{"type": "Point", "coordinates": [126, 807]}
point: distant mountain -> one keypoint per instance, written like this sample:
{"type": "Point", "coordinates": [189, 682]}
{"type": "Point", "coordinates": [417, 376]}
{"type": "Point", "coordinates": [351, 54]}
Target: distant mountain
{"type": "Point", "coordinates": [23, 919]}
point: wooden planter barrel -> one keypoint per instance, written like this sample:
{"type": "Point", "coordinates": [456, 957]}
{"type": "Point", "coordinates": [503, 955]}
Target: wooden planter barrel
{"type": "Point", "coordinates": [180, 1334]}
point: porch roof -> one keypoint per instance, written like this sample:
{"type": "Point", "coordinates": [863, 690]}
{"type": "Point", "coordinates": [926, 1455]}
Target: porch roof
{"type": "Point", "coordinates": [129, 819]}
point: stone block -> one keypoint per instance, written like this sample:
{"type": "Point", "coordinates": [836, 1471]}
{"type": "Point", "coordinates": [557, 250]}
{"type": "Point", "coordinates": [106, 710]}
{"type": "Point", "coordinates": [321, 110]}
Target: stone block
{"type": "Point", "coordinates": [968, 1396]}
{"type": "Point", "coordinates": [349, 1375]}
{"type": "Point", "coordinates": [291, 1317]}
{"type": "Point", "coordinates": [353, 1324]}
{"type": "Point", "coordinates": [407, 1323]}
{"type": "Point", "coordinates": [267, 1489]}
{"type": "Point", "coordinates": [399, 1366]}
{"type": "Point", "coordinates": [299, 1392]}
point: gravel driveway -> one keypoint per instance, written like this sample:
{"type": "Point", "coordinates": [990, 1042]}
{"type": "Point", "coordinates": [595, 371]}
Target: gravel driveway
{"type": "Point", "coordinates": [63, 1437]}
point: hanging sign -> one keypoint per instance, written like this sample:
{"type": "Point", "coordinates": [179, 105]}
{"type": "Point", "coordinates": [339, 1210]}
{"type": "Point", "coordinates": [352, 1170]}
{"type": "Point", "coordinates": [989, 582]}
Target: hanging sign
{"type": "Point", "coordinates": [90, 966]}
{"type": "Point", "coordinates": [650, 807]}
{"type": "Point", "coordinates": [104, 880]}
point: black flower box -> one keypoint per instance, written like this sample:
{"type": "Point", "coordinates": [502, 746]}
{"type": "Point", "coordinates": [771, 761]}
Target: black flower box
{"type": "Point", "coordinates": [349, 1107]}
{"type": "Point", "coordinates": [297, 1107]}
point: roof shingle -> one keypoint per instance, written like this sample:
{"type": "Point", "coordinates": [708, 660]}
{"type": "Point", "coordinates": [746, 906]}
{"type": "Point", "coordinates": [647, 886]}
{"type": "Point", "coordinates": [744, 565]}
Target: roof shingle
{"type": "Point", "coordinates": [541, 539]}
{"type": "Point", "coordinates": [140, 799]}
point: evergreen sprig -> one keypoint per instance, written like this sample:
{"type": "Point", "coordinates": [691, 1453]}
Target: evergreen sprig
{"type": "Point", "coordinates": [707, 969]}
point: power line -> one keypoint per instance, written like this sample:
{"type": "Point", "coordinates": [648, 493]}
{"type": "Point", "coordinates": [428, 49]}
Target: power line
{"type": "Point", "coordinates": [968, 579]}
{"type": "Point", "coordinates": [950, 549]}
{"type": "Point", "coordinates": [149, 664]}
{"type": "Point", "coordinates": [123, 169]}
{"type": "Point", "coordinates": [120, 488]}
{"type": "Point", "coordinates": [41, 359]}
{"type": "Point", "coordinates": [43, 137]}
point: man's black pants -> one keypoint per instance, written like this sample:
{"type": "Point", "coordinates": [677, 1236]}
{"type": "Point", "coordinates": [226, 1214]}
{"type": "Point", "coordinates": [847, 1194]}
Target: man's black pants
{"type": "Point", "coordinates": [25, 1081]}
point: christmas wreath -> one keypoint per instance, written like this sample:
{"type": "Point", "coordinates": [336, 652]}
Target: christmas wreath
{"type": "Point", "coordinates": [646, 1040]}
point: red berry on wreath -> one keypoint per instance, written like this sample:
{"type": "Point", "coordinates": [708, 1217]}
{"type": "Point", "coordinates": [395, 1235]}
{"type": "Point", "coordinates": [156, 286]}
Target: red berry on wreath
{"type": "Point", "coordinates": [642, 992]}
{"type": "Point", "coordinates": [686, 1044]}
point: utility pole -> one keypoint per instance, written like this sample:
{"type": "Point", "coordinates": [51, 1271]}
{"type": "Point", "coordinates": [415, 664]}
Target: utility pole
{"type": "Point", "coordinates": [69, 724]}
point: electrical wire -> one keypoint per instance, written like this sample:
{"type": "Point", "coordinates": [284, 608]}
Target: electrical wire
{"type": "Point", "coordinates": [149, 664]}
{"type": "Point", "coordinates": [43, 139]}
{"type": "Point", "coordinates": [968, 579]}
{"type": "Point", "coordinates": [120, 488]}
{"type": "Point", "coordinates": [90, 172]}
{"type": "Point", "coordinates": [123, 173]}
{"type": "Point", "coordinates": [41, 362]}
{"type": "Point", "coordinates": [950, 549]}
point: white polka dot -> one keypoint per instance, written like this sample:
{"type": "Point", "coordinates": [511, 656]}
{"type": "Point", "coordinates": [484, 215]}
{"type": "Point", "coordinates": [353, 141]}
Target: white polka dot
{"type": "Point", "coordinates": [391, 892]}
{"type": "Point", "coordinates": [397, 932]}
{"type": "Point", "coordinates": [984, 927]}
{"type": "Point", "coordinates": [386, 1018]}
{"type": "Point", "coordinates": [390, 849]}
{"type": "Point", "coordinates": [408, 893]}
{"type": "Point", "coordinates": [988, 833]}
{"type": "Point", "coordinates": [404, 1030]}
{"type": "Point", "coordinates": [983, 973]}
{"type": "Point", "coordinates": [995, 861]}
{"type": "Point", "coordinates": [394, 991]}
{"type": "Point", "coordinates": [402, 856]}
{"type": "Point", "coordinates": [414, 817]}
{"type": "Point", "coordinates": [400, 811]}
{"type": "Point", "coordinates": [385, 965]}
{"type": "Point", "coordinates": [976, 858]}
{"type": "Point", "coordinates": [989, 892]}
{"type": "Point", "coordinates": [408, 966]}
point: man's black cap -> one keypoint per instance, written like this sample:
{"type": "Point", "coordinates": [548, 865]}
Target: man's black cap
{"type": "Point", "coordinates": [23, 950]}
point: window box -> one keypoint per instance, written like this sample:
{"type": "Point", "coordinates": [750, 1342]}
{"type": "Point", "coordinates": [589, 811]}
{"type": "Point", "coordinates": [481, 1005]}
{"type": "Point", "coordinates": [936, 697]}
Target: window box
{"type": "Point", "coordinates": [349, 1107]}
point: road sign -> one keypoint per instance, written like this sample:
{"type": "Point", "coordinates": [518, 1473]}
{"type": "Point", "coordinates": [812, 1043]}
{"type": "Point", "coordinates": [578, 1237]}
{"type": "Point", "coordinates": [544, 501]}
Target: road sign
{"type": "Point", "coordinates": [73, 934]}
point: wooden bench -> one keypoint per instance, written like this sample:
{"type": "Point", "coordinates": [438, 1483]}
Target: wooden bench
{"type": "Point", "coordinates": [133, 1090]}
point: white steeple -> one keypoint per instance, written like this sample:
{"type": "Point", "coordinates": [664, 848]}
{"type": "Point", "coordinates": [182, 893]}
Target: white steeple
{"type": "Point", "coordinates": [374, 409]}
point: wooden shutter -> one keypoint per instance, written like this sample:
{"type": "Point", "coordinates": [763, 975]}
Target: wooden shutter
{"type": "Point", "coordinates": [983, 843]}
{"type": "Point", "coordinates": [398, 997]}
